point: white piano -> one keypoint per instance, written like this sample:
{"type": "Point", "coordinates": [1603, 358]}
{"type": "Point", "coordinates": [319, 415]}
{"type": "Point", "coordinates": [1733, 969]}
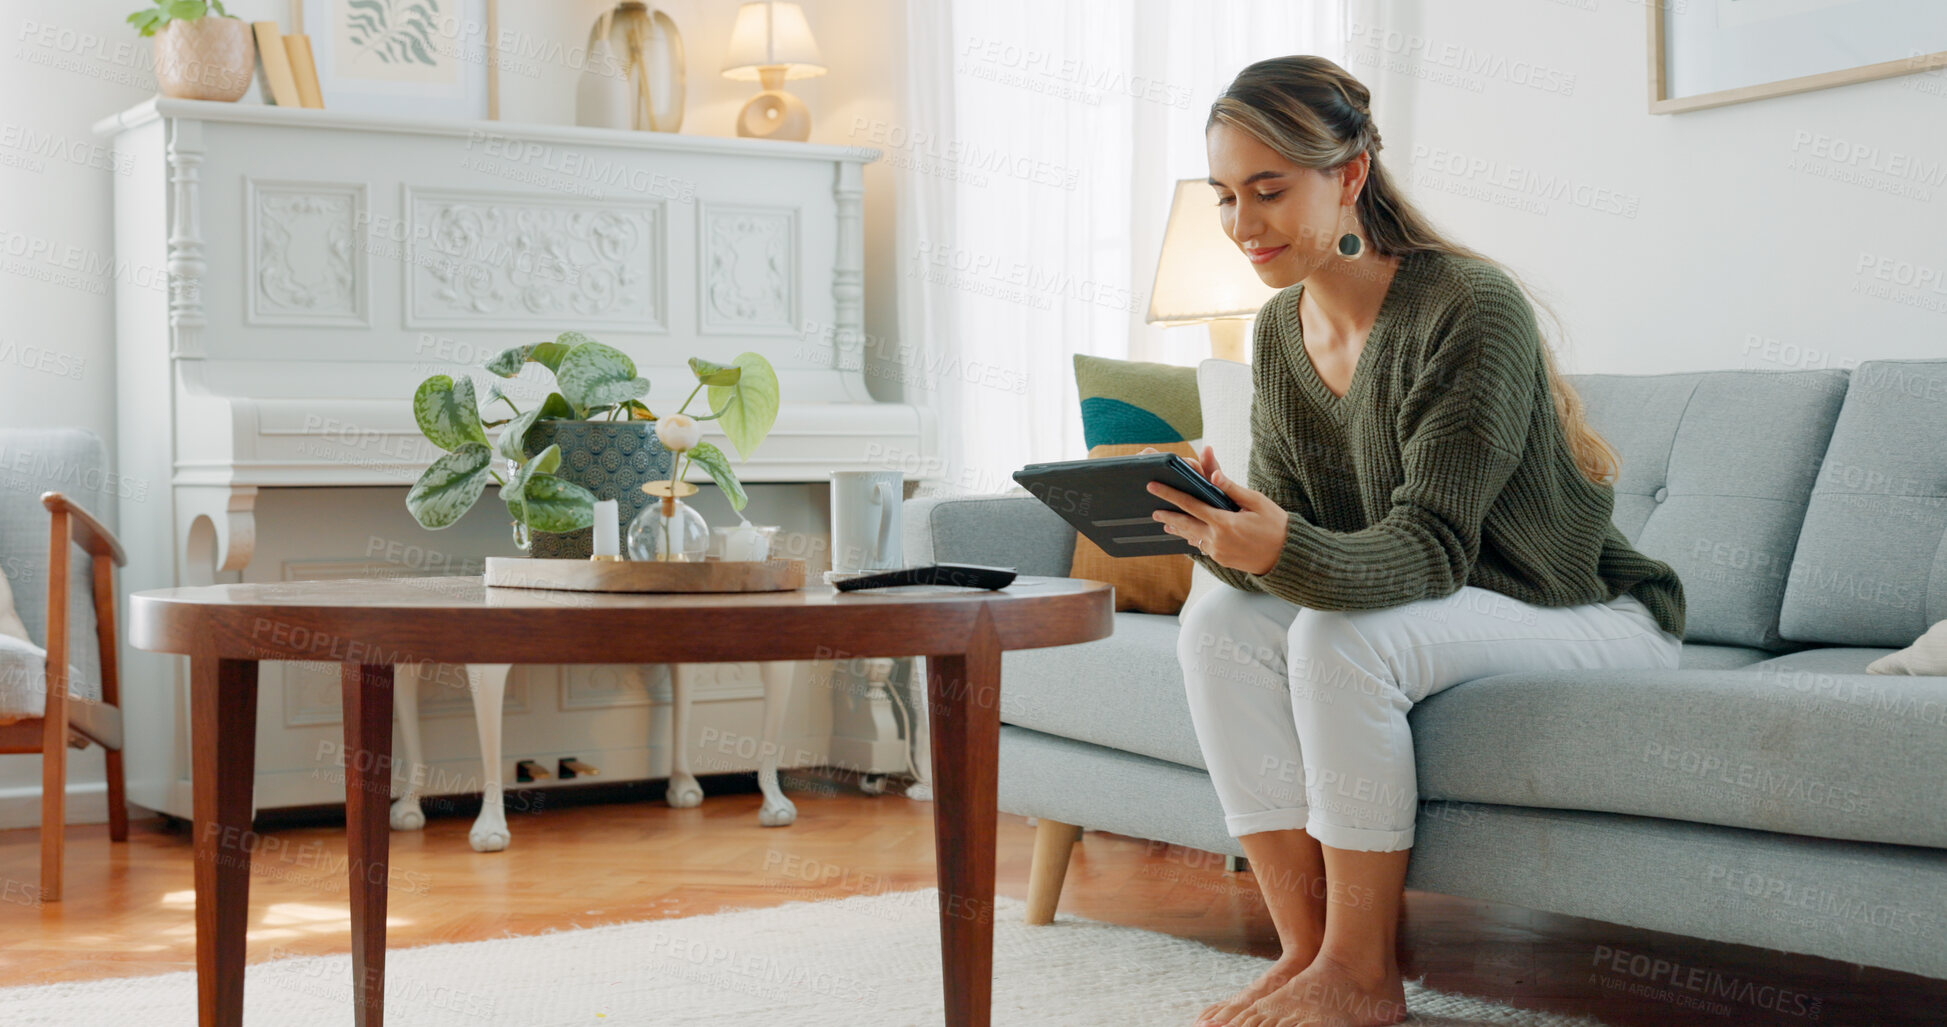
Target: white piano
{"type": "Point", "coordinates": [320, 265]}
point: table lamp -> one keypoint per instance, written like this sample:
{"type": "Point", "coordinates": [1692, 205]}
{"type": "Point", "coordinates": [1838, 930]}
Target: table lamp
{"type": "Point", "coordinates": [1202, 276]}
{"type": "Point", "coordinates": [771, 42]}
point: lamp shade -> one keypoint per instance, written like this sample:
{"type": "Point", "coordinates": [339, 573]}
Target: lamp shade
{"type": "Point", "coordinates": [770, 35]}
{"type": "Point", "coordinates": [1201, 275]}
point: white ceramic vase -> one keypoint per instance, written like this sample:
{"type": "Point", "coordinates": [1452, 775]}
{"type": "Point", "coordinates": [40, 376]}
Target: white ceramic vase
{"type": "Point", "coordinates": [602, 96]}
{"type": "Point", "coordinates": [644, 54]}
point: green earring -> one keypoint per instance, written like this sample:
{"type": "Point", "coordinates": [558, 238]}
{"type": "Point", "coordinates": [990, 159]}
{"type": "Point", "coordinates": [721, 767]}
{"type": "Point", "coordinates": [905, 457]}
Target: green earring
{"type": "Point", "coordinates": [1350, 245]}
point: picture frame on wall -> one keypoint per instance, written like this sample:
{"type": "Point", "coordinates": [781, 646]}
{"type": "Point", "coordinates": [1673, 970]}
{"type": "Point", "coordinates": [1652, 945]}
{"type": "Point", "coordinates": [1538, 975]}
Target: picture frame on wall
{"type": "Point", "coordinates": [416, 58]}
{"type": "Point", "coordinates": [1709, 53]}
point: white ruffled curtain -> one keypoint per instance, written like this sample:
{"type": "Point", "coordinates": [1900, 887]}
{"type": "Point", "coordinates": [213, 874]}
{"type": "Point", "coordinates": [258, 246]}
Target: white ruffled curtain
{"type": "Point", "coordinates": [1030, 221]}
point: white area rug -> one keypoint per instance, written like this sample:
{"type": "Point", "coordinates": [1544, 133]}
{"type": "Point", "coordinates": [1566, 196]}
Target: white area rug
{"type": "Point", "coordinates": [863, 961]}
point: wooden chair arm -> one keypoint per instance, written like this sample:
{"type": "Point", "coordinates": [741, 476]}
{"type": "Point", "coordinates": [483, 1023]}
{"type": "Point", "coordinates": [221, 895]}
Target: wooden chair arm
{"type": "Point", "coordinates": [84, 529]}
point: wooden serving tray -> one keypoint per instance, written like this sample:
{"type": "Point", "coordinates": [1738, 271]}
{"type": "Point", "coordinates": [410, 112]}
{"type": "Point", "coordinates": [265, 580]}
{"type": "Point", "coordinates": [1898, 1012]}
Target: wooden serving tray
{"type": "Point", "coordinates": [780, 575]}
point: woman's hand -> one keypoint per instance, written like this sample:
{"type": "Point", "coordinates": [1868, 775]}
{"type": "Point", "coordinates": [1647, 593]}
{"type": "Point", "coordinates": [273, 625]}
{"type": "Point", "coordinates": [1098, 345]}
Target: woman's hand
{"type": "Point", "coordinates": [1248, 539]}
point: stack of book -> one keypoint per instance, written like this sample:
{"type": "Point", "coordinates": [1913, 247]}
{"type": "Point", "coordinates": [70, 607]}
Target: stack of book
{"type": "Point", "coordinates": [288, 67]}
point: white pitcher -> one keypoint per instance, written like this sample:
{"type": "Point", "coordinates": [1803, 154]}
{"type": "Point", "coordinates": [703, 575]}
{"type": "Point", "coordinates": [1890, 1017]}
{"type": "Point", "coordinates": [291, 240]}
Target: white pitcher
{"type": "Point", "coordinates": [865, 520]}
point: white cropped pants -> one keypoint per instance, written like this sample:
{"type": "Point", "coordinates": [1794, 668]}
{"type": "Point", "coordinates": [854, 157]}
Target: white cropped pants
{"type": "Point", "coordinates": [1301, 713]}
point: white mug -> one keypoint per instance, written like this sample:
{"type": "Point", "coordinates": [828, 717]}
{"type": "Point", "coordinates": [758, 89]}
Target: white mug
{"type": "Point", "coordinates": [865, 519]}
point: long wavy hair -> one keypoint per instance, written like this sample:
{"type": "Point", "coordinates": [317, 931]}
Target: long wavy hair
{"type": "Point", "coordinates": [1316, 115]}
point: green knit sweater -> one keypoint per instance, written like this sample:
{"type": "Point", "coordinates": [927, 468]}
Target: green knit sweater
{"type": "Point", "coordinates": [1443, 465]}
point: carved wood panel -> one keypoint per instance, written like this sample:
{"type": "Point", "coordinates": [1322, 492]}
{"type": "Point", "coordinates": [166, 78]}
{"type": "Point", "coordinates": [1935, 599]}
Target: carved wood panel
{"type": "Point", "coordinates": [478, 259]}
{"type": "Point", "coordinates": [307, 264]}
{"type": "Point", "coordinates": [749, 270]}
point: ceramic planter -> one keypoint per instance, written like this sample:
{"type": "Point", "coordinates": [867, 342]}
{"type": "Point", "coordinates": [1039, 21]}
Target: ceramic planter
{"type": "Point", "coordinates": [612, 459]}
{"type": "Point", "coordinates": [209, 58]}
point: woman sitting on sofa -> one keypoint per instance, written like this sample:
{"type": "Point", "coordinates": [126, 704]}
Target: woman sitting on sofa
{"type": "Point", "coordinates": [1426, 505]}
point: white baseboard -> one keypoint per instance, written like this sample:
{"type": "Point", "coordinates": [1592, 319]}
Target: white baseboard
{"type": "Point", "coordinates": [87, 804]}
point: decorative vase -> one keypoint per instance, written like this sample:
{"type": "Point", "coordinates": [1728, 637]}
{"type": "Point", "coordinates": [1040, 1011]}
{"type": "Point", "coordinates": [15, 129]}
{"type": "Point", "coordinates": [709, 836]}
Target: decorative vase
{"type": "Point", "coordinates": [603, 94]}
{"type": "Point", "coordinates": [647, 52]}
{"type": "Point", "coordinates": [208, 58]}
{"type": "Point", "coordinates": [670, 530]}
{"type": "Point", "coordinates": [612, 459]}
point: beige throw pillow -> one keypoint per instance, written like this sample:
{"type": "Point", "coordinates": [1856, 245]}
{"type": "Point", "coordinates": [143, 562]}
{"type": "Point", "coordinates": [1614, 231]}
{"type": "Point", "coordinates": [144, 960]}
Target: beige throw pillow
{"type": "Point", "coordinates": [1926, 656]}
{"type": "Point", "coordinates": [9, 619]}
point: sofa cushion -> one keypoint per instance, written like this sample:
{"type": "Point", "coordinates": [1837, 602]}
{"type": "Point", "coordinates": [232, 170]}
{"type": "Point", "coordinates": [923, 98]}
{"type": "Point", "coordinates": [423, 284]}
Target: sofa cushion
{"type": "Point", "coordinates": [1830, 659]}
{"type": "Point", "coordinates": [1700, 656]}
{"type": "Point", "coordinates": [1124, 691]}
{"type": "Point", "coordinates": [1011, 529]}
{"type": "Point", "coordinates": [1716, 470]}
{"type": "Point", "coordinates": [1784, 747]}
{"type": "Point", "coordinates": [1871, 561]}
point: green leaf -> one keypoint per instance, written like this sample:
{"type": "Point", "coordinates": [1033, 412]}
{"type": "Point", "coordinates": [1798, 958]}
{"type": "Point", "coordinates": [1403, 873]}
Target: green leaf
{"type": "Point", "coordinates": [749, 407]}
{"type": "Point", "coordinates": [714, 461]}
{"type": "Point", "coordinates": [450, 486]}
{"type": "Point", "coordinates": [638, 411]}
{"type": "Point", "coordinates": [512, 436]}
{"type": "Point", "coordinates": [446, 412]}
{"type": "Point", "coordinates": [556, 408]}
{"type": "Point", "coordinates": [145, 20]}
{"type": "Point", "coordinates": [712, 373]}
{"type": "Point", "coordinates": [514, 493]}
{"type": "Point", "coordinates": [221, 13]}
{"type": "Point", "coordinates": [557, 504]}
{"type": "Point", "coordinates": [186, 10]}
{"type": "Point", "coordinates": [593, 374]}
{"type": "Point", "coordinates": [509, 362]}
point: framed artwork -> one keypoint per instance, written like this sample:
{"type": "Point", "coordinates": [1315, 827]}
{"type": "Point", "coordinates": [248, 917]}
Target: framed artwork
{"type": "Point", "coordinates": [1708, 53]}
{"type": "Point", "coordinates": [421, 58]}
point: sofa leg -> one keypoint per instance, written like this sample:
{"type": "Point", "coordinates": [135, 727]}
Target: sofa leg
{"type": "Point", "coordinates": [1233, 864]}
{"type": "Point", "coordinates": [1054, 841]}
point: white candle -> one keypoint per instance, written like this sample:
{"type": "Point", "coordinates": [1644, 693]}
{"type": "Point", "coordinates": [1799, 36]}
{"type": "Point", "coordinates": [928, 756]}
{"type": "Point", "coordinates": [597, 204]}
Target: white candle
{"type": "Point", "coordinates": [746, 542]}
{"type": "Point", "coordinates": [606, 526]}
{"type": "Point", "coordinates": [737, 545]}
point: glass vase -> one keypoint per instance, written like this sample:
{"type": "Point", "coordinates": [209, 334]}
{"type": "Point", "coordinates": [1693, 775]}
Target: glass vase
{"type": "Point", "coordinates": [669, 530]}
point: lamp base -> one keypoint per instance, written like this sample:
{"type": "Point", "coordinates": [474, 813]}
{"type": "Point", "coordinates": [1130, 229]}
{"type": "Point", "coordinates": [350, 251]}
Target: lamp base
{"type": "Point", "coordinates": [774, 113]}
{"type": "Point", "coordinates": [1227, 340]}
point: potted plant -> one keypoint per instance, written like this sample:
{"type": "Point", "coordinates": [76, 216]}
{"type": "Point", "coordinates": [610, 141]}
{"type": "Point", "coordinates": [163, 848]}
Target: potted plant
{"type": "Point", "coordinates": [198, 56]}
{"type": "Point", "coordinates": [744, 394]}
{"type": "Point", "coordinates": [591, 438]}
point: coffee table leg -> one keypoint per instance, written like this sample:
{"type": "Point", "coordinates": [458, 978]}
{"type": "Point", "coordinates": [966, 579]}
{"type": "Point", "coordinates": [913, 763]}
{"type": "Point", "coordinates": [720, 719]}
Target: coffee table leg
{"type": "Point", "coordinates": [963, 709]}
{"type": "Point", "coordinates": [368, 801]}
{"type": "Point", "coordinates": [223, 767]}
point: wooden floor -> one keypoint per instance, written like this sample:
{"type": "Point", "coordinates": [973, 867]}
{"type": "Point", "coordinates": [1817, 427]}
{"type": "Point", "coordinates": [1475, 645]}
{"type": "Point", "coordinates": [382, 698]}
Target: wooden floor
{"type": "Point", "coordinates": [129, 907]}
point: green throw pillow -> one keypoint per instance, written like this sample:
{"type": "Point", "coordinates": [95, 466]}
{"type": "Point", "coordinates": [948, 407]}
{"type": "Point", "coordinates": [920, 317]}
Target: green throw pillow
{"type": "Point", "coordinates": [1136, 401]}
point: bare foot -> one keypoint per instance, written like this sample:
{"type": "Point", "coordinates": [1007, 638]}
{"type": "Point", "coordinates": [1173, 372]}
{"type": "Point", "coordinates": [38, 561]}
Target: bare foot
{"type": "Point", "coordinates": [1329, 994]}
{"type": "Point", "coordinates": [1219, 1014]}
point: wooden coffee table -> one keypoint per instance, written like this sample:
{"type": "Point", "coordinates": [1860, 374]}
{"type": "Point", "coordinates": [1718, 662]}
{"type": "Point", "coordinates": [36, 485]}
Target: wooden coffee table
{"type": "Point", "coordinates": [369, 625]}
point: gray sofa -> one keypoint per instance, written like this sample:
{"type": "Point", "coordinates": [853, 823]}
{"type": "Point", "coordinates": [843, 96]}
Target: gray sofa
{"type": "Point", "coordinates": [1768, 792]}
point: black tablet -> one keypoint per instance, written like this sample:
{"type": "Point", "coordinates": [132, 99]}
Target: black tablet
{"type": "Point", "coordinates": [1109, 501]}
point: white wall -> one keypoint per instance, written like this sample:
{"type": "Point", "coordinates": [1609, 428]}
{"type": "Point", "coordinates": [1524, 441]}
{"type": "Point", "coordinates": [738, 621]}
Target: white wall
{"type": "Point", "coordinates": [1740, 244]}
